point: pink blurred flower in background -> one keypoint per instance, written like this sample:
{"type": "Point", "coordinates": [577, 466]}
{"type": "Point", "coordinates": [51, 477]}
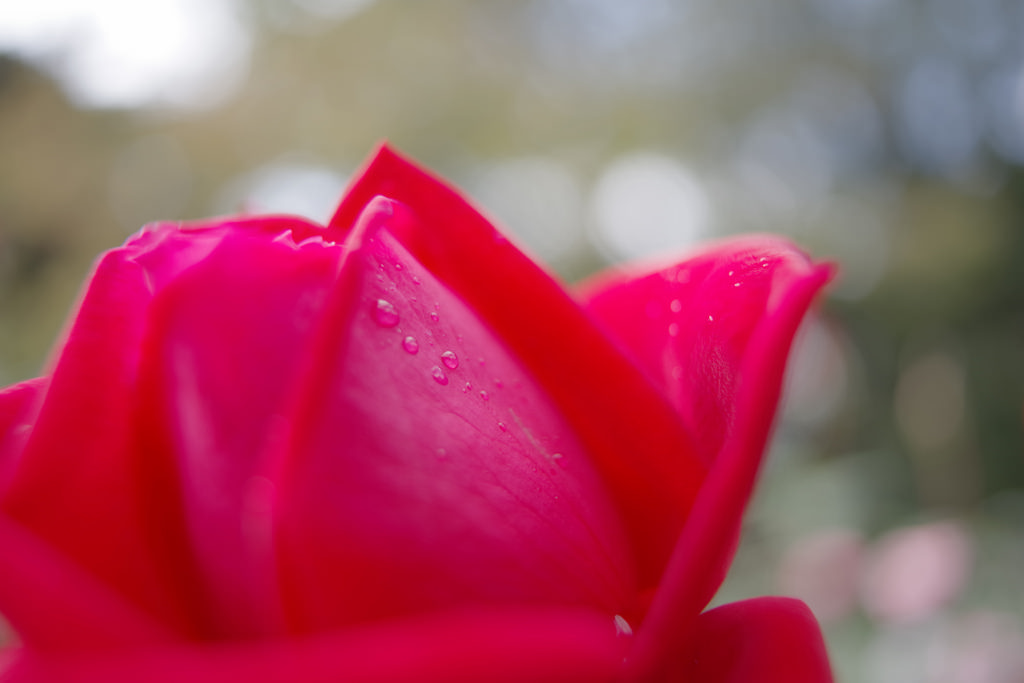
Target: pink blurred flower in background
{"type": "Point", "coordinates": [396, 449]}
{"type": "Point", "coordinates": [914, 572]}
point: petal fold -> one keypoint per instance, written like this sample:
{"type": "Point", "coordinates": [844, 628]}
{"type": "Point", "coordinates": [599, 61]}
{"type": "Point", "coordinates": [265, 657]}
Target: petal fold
{"type": "Point", "coordinates": [769, 640]}
{"type": "Point", "coordinates": [77, 479]}
{"type": "Point", "coordinates": [55, 607]}
{"type": "Point", "coordinates": [733, 343]}
{"type": "Point", "coordinates": [427, 468]}
{"type": "Point", "coordinates": [216, 373]}
{"type": "Point", "coordinates": [689, 323]}
{"type": "Point", "coordinates": [74, 484]}
{"type": "Point", "coordinates": [633, 435]}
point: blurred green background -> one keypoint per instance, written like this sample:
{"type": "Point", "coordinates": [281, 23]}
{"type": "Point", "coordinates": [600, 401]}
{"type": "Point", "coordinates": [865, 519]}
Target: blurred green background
{"type": "Point", "coordinates": [887, 135]}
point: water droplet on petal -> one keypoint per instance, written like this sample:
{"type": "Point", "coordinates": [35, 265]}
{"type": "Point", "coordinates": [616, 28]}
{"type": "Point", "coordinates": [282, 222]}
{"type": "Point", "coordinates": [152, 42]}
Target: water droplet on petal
{"type": "Point", "coordinates": [410, 344]}
{"type": "Point", "coordinates": [675, 305]}
{"type": "Point", "coordinates": [434, 316]}
{"type": "Point", "coordinates": [711, 318]}
{"type": "Point", "coordinates": [498, 383]}
{"type": "Point", "coordinates": [673, 329]}
{"type": "Point", "coordinates": [731, 272]}
{"type": "Point", "coordinates": [398, 266]}
{"type": "Point", "coordinates": [450, 360]}
{"type": "Point", "coordinates": [557, 457]}
{"type": "Point", "coordinates": [415, 280]}
{"type": "Point", "coordinates": [737, 284]}
{"type": "Point", "coordinates": [466, 389]}
{"type": "Point", "coordinates": [502, 427]}
{"type": "Point", "coordinates": [622, 627]}
{"type": "Point", "coordinates": [438, 375]}
{"type": "Point", "coordinates": [485, 396]}
{"type": "Point", "coordinates": [385, 313]}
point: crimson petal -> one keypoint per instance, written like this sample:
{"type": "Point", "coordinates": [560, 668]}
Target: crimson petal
{"type": "Point", "coordinates": [79, 482]}
{"type": "Point", "coordinates": [644, 453]}
{"type": "Point", "coordinates": [504, 646]}
{"type": "Point", "coordinates": [216, 372]}
{"type": "Point", "coordinates": [19, 405]}
{"type": "Point", "coordinates": [769, 640]}
{"type": "Point", "coordinates": [726, 319]}
{"type": "Point", "coordinates": [427, 468]}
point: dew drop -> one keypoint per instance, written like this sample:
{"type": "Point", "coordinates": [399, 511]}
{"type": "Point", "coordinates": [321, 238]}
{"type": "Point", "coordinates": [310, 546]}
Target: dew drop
{"type": "Point", "coordinates": [398, 266]}
{"type": "Point", "coordinates": [498, 383]}
{"type": "Point", "coordinates": [450, 360]}
{"type": "Point", "coordinates": [502, 427]}
{"type": "Point", "coordinates": [622, 627]}
{"type": "Point", "coordinates": [737, 284]}
{"type": "Point", "coordinates": [385, 313]}
{"type": "Point", "coordinates": [485, 396]}
{"type": "Point", "coordinates": [557, 457]}
{"type": "Point", "coordinates": [673, 329]}
{"type": "Point", "coordinates": [468, 388]}
{"type": "Point", "coordinates": [434, 316]}
{"type": "Point", "coordinates": [711, 318]}
{"type": "Point", "coordinates": [415, 280]}
{"type": "Point", "coordinates": [675, 306]}
{"type": "Point", "coordinates": [410, 344]}
{"type": "Point", "coordinates": [438, 375]}
{"type": "Point", "coordinates": [731, 272]}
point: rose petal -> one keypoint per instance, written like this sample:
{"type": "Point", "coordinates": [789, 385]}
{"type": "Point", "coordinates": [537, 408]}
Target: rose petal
{"type": "Point", "coordinates": [19, 404]}
{"type": "Point", "coordinates": [55, 606]}
{"type": "Point", "coordinates": [74, 484]}
{"type": "Point", "coordinates": [689, 324]}
{"type": "Point", "coordinates": [736, 376]}
{"type": "Point", "coordinates": [633, 436]}
{"type": "Point", "coordinates": [217, 370]}
{"type": "Point", "coordinates": [80, 483]}
{"type": "Point", "coordinates": [506, 646]}
{"type": "Point", "coordinates": [769, 640]}
{"type": "Point", "coordinates": [445, 476]}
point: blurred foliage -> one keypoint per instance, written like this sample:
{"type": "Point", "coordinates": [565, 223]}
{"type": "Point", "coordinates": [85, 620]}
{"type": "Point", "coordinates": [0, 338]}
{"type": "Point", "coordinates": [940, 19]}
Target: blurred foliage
{"type": "Point", "coordinates": [886, 134]}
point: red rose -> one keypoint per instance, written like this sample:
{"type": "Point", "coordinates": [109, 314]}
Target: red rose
{"type": "Point", "coordinates": [395, 449]}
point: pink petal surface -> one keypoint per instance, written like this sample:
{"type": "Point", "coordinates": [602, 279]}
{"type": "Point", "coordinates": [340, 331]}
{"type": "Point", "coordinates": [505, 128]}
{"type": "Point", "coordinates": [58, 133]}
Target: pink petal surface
{"type": "Point", "coordinates": [739, 335]}
{"type": "Point", "coordinates": [441, 469]}
{"type": "Point", "coordinates": [75, 482]}
{"type": "Point", "coordinates": [690, 324]}
{"type": "Point", "coordinates": [19, 405]}
{"type": "Point", "coordinates": [216, 373]}
{"type": "Point", "coordinates": [56, 606]}
{"type": "Point", "coordinates": [768, 640]}
{"type": "Point", "coordinates": [444, 476]}
{"type": "Point", "coordinates": [500, 646]}
{"type": "Point", "coordinates": [645, 456]}
{"type": "Point", "coordinates": [80, 482]}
